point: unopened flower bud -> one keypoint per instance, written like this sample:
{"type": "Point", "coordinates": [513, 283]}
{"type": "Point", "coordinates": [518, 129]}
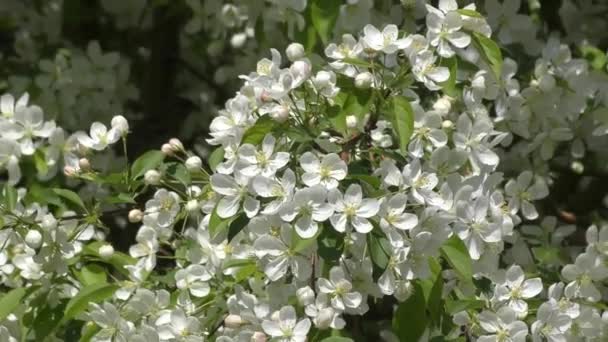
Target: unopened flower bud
{"type": "Point", "coordinates": [351, 121]}
{"type": "Point", "coordinates": [166, 149]}
{"type": "Point", "coordinates": [577, 167]}
{"type": "Point", "coordinates": [305, 295]}
{"type": "Point", "coordinates": [258, 336]}
{"type": "Point", "coordinates": [301, 69]}
{"type": "Point", "coordinates": [194, 164]}
{"type": "Point", "coordinates": [120, 124]}
{"type": "Point", "coordinates": [70, 171]}
{"type": "Point", "coordinates": [106, 251]}
{"type": "Point", "coordinates": [135, 216]}
{"type": "Point", "coordinates": [233, 321]}
{"type": "Point", "coordinates": [84, 164]}
{"type": "Point", "coordinates": [364, 80]}
{"type": "Point", "coordinates": [152, 177]}
{"type": "Point", "coordinates": [447, 124]}
{"type": "Point", "coordinates": [280, 113]}
{"type": "Point", "coordinates": [33, 239]}
{"type": "Point", "coordinates": [192, 205]}
{"type": "Point", "coordinates": [238, 40]}
{"type": "Point", "coordinates": [176, 144]}
{"type": "Point", "coordinates": [295, 51]}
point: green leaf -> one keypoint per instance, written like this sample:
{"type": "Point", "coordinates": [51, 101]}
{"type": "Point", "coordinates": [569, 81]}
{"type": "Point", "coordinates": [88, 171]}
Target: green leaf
{"type": "Point", "coordinates": [71, 196]}
{"type": "Point", "coordinates": [449, 86]}
{"type": "Point", "coordinates": [147, 161]}
{"type": "Point", "coordinates": [402, 117]}
{"type": "Point", "coordinates": [358, 62]}
{"type": "Point", "coordinates": [596, 57]}
{"type": "Point", "coordinates": [118, 260]}
{"type": "Point", "coordinates": [299, 244]}
{"type": "Point", "coordinates": [469, 13]}
{"type": "Point", "coordinates": [120, 199]}
{"type": "Point", "coordinates": [455, 306]}
{"type": "Point", "coordinates": [375, 182]}
{"type": "Point", "coordinates": [256, 133]}
{"type": "Point", "coordinates": [179, 172]}
{"type": "Point", "coordinates": [379, 248]}
{"type": "Point", "coordinates": [12, 299]}
{"type": "Point", "coordinates": [356, 102]}
{"type": "Point", "coordinates": [215, 158]}
{"type": "Point", "coordinates": [324, 14]}
{"type": "Point", "coordinates": [490, 52]}
{"type": "Point", "coordinates": [330, 246]}
{"type": "Point", "coordinates": [337, 339]}
{"type": "Point", "coordinates": [218, 224]}
{"type": "Point", "coordinates": [245, 273]}
{"type": "Point", "coordinates": [410, 319]}
{"type": "Point", "coordinates": [95, 293]}
{"type": "Point", "coordinates": [40, 162]}
{"type": "Point", "coordinates": [92, 274]}
{"type": "Point", "coordinates": [10, 197]}
{"type": "Point", "coordinates": [47, 321]}
{"type": "Point", "coordinates": [238, 263]}
{"type": "Point", "coordinates": [457, 255]}
{"type": "Point", "coordinates": [237, 225]}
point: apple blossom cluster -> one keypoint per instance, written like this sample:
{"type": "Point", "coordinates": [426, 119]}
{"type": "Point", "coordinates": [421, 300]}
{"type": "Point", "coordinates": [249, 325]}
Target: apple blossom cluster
{"type": "Point", "coordinates": [404, 172]}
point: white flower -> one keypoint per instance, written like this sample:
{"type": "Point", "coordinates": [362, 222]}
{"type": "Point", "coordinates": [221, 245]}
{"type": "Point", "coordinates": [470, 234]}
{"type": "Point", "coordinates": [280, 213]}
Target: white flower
{"type": "Point", "coordinates": [99, 136]}
{"type": "Point", "coordinates": [444, 28]}
{"type": "Point", "coordinates": [28, 124]}
{"type": "Point", "coordinates": [551, 324]}
{"type": "Point", "coordinates": [253, 162]}
{"type": "Point", "coordinates": [386, 41]}
{"type": "Point", "coordinates": [349, 48]}
{"type": "Point", "coordinates": [581, 275]}
{"type": "Point", "coordinates": [522, 192]}
{"type": "Point", "coordinates": [146, 247]}
{"type": "Point", "coordinates": [234, 191]}
{"type": "Point", "coordinates": [194, 279]}
{"type": "Point", "coordinates": [325, 83]}
{"type": "Point", "coordinates": [281, 190]}
{"type": "Point", "coordinates": [307, 208]}
{"type": "Point", "coordinates": [280, 255]}
{"type": "Point", "coordinates": [323, 314]}
{"type": "Point", "coordinates": [176, 326]}
{"type": "Point", "coordinates": [286, 328]}
{"type": "Point", "coordinates": [474, 226]}
{"type": "Point", "coordinates": [393, 215]}
{"type": "Point", "coordinates": [9, 159]}
{"type": "Point", "coordinates": [120, 124]}
{"type": "Point", "coordinates": [351, 210]}
{"type": "Point", "coordinates": [425, 70]}
{"type": "Point", "coordinates": [8, 106]}
{"type": "Point", "coordinates": [163, 208]}
{"type": "Point", "coordinates": [502, 326]}
{"type": "Point", "coordinates": [339, 289]}
{"type": "Point", "coordinates": [515, 289]}
{"type": "Point", "coordinates": [473, 139]}
{"type": "Point", "coordinates": [421, 184]}
{"type": "Point", "coordinates": [327, 172]}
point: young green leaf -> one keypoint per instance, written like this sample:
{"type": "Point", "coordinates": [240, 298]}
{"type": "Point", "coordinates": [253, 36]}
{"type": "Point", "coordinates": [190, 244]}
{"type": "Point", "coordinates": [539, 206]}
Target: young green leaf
{"type": "Point", "coordinates": [410, 319]}
{"type": "Point", "coordinates": [237, 225]}
{"type": "Point", "coordinates": [402, 117]}
{"type": "Point", "coordinates": [457, 255]}
{"type": "Point", "coordinates": [71, 196]}
{"type": "Point", "coordinates": [256, 133]}
{"type": "Point", "coordinates": [12, 299]}
{"type": "Point", "coordinates": [324, 14]}
{"type": "Point", "coordinates": [148, 161]}
{"type": "Point", "coordinates": [449, 86]}
{"type": "Point", "coordinates": [92, 274]}
{"type": "Point", "coordinates": [490, 52]}
{"type": "Point", "coordinates": [10, 197]}
{"type": "Point", "coordinates": [95, 293]}
{"type": "Point", "coordinates": [215, 158]}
